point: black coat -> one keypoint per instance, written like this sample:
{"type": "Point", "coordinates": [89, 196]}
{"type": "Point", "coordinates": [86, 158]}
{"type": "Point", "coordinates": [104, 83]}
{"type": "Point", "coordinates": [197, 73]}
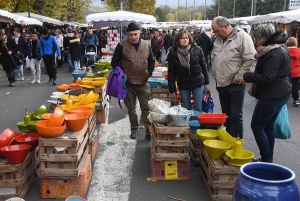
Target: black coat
{"type": "Point", "coordinates": [204, 42]}
{"type": "Point", "coordinates": [154, 44]}
{"type": "Point", "coordinates": [75, 50]}
{"type": "Point", "coordinates": [5, 58]}
{"type": "Point", "coordinates": [186, 79]}
{"type": "Point", "coordinates": [21, 45]}
{"type": "Point", "coordinates": [272, 72]}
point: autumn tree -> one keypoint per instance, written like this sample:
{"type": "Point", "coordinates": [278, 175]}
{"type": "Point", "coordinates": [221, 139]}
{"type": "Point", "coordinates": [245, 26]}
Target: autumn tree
{"type": "Point", "coordinates": [138, 6]}
{"type": "Point", "coordinates": [159, 15]}
{"type": "Point", "coordinates": [170, 17]}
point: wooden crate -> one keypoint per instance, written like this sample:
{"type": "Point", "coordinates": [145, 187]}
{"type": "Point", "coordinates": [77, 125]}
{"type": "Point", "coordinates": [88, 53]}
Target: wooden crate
{"type": "Point", "coordinates": [16, 180]}
{"type": "Point", "coordinates": [158, 169]}
{"type": "Point", "coordinates": [66, 172]}
{"type": "Point", "coordinates": [169, 153]}
{"type": "Point", "coordinates": [219, 176]}
{"type": "Point", "coordinates": [92, 122]}
{"type": "Point", "coordinates": [160, 93]}
{"type": "Point", "coordinates": [195, 140]}
{"type": "Point", "coordinates": [194, 154]}
{"type": "Point", "coordinates": [51, 160]}
{"type": "Point", "coordinates": [166, 139]}
{"type": "Point", "coordinates": [99, 90]}
{"type": "Point", "coordinates": [170, 129]}
{"type": "Point", "coordinates": [100, 105]}
{"type": "Point", "coordinates": [93, 146]}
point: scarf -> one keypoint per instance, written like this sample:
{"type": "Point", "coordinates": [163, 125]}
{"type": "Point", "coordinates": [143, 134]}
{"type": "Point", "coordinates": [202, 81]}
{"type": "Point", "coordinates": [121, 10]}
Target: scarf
{"type": "Point", "coordinates": [184, 56]}
{"type": "Point", "coordinates": [261, 51]}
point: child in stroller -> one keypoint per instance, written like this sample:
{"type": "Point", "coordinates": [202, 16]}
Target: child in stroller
{"type": "Point", "coordinates": [90, 54]}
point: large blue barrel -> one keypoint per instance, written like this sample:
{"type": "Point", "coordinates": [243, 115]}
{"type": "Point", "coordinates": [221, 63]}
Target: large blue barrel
{"type": "Point", "coordinates": [265, 182]}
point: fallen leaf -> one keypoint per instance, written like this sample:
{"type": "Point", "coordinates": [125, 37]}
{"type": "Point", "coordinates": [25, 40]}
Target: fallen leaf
{"type": "Point", "coordinates": [7, 92]}
{"type": "Point", "coordinates": [151, 179]}
{"type": "Point", "coordinates": [141, 127]}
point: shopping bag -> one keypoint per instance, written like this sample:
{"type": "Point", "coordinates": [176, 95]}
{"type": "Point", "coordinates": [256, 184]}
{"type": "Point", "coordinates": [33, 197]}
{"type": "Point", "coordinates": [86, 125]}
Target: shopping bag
{"type": "Point", "coordinates": [208, 107]}
{"type": "Point", "coordinates": [282, 125]}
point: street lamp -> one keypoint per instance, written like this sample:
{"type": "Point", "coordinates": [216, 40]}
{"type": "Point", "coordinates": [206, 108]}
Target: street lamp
{"type": "Point", "coordinates": [28, 4]}
{"type": "Point", "coordinates": [190, 14]}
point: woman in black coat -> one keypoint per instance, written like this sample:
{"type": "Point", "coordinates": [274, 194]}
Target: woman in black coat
{"type": "Point", "coordinates": [8, 49]}
{"type": "Point", "coordinates": [75, 51]}
{"type": "Point", "coordinates": [273, 86]}
{"type": "Point", "coordinates": [187, 66]}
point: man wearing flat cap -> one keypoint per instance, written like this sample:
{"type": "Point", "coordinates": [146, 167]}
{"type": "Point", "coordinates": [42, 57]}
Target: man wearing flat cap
{"type": "Point", "coordinates": [135, 57]}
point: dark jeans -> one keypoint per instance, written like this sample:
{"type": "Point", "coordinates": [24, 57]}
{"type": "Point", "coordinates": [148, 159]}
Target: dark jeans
{"type": "Point", "coordinates": [186, 98]}
{"type": "Point", "coordinates": [49, 61]}
{"type": "Point", "coordinates": [232, 102]}
{"type": "Point", "coordinates": [295, 88]}
{"type": "Point", "coordinates": [262, 124]}
{"type": "Point", "coordinates": [10, 75]}
{"type": "Point", "coordinates": [142, 92]}
{"type": "Point", "coordinates": [60, 62]}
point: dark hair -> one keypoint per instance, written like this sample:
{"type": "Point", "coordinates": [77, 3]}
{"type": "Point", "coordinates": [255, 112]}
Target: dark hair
{"type": "Point", "coordinates": [17, 30]}
{"type": "Point", "coordinates": [33, 33]}
{"type": "Point", "coordinates": [178, 37]}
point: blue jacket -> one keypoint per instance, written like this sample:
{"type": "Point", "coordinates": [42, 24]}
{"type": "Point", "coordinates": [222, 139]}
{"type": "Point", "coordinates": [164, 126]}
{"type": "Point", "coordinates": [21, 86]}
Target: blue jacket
{"type": "Point", "coordinates": [29, 50]}
{"type": "Point", "coordinates": [90, 39]}
{"type": "Point", "coordinates": [48, 46]}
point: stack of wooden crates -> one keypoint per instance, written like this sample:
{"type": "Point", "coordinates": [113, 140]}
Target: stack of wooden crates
{"type": "Point", "coordinates": [65, 161]}
{"type": "Point", "coordinates": [218, 176]}
{"type": "Point", "coordinates": [16, 180]}
{"type": "Point", "coordinates": [169, 155]}
{"type": "Point", "coordinates": [160, 93]}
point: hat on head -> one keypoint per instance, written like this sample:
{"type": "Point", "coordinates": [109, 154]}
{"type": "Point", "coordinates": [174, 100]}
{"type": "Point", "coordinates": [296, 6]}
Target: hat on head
{"type": "Point", "coordinates": [44, 31]}
{"type": "Point", "coordinates": [132, 27]}
{"type": "Point", "coordinates": [2, 31]}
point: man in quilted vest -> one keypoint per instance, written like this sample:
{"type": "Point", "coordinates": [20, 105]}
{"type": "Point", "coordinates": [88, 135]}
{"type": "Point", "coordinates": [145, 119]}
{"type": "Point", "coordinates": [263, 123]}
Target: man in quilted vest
{"type": "Point", "coordinates": [135, 57]}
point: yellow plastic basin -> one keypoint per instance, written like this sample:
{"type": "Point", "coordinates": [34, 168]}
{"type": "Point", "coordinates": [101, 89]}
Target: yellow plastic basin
{"type": "Point", "coordinates": [86, 82]}
{"type": "Point", "coordinates": [226, 137]}
{"type": "Point", "coordinates": [89, 98]}
{"type": "Point", "coordinates": [235, 161]}
{"type": "Point", "coordinates": [73, 98]}
{"type": "Point", "coordinates": [207, 134]}
{"type": "Point", "coordinates": [216, 148]}
{"type": "Point", "coordinates": [88, 79]}
{"type": "Point", "coordinates": [97, 83]}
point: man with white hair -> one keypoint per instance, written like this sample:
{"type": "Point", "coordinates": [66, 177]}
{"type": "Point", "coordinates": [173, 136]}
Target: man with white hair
{"type": "Point", "coordinates": [204, 42]}
{"type": "Point", "coordinates": [232, 56]}
{"type": "Point", "coordinates": [134, 56]}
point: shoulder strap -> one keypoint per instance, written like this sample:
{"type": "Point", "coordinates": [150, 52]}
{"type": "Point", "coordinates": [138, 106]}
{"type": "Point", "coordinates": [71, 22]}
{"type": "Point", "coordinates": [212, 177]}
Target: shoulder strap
{"type": "Point", "coordinates": [120, 87]}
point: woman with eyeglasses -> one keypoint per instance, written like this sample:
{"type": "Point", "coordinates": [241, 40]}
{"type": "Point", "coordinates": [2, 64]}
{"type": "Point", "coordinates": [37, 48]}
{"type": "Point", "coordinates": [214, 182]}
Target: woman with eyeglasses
{"type": "Point", "coordinates": [186, 63]}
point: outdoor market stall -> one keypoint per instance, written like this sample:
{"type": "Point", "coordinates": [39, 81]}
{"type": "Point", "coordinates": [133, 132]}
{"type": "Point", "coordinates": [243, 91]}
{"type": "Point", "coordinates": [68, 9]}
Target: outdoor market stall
{"type": "Point", "coordinates": [42, 18]}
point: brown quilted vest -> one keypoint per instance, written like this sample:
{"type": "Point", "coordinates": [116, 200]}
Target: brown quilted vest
{"type": "Point", "coordinates": [135, 63]}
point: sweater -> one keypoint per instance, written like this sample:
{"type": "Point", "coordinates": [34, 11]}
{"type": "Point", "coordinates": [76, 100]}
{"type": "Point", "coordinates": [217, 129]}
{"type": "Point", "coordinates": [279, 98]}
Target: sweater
{"type": "Point", "coordinates": [48, 45]}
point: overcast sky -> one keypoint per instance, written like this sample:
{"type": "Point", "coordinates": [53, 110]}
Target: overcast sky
{"type": "Point", "coordinates": [174, 3]}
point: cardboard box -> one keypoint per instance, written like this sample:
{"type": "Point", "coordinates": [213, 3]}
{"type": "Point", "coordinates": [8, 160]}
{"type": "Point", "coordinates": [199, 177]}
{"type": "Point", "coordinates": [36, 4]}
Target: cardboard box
{"type": "Point", "coordinates": [101, 116]}
{"type": "Point", "coordinates": [93, 147]}
{"type": "Point", "coordinates": [63, 188]}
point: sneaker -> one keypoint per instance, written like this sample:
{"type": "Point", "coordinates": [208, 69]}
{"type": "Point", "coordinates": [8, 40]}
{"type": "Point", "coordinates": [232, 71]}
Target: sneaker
{"type": "Point", "coordinates": [39, 82]}
{"type": "Point", "coordinates": [18, 79]}
{"type": "Point", "coordinates": [50, 81]}
{"type": "Point", "coordinates": [22, 78]}
{"type": "Point", "coordinates": [13, 84]}
{"type": "Point", "coordinates": [256, 159]}
{"type": "Point", "coordinates": [32, 82]}
{"type": "Point", "coordinates": [134, 134]}
{"type": "Point", "coordinates": [296, 103]}
{"type": "Point", "coordinates": [54, 83]}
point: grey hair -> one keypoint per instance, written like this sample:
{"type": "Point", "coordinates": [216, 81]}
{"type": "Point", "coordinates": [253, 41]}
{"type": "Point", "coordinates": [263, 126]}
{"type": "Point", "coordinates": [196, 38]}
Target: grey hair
{"type": "Point", "coordinates": [203, 30]}
{"type": "Point", "coordinates": [222, 21]}
{"type": "Point", "coordinates": [263, 31]}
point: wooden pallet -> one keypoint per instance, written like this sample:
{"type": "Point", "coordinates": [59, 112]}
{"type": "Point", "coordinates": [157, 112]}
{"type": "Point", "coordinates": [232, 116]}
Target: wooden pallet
{"type": "Point", "coordinates": [92, 122]}
{"type": "Point", "coordinates": [166, 139]}
{"type": "Point", "coordinates": [160, 93]}
{"type": "Point", "coordinates": [169, 153]}
{"type": "Point", "coordinates": [65, 173]}
{"type": "Point", "coordinates": [195, 156]}
{"type": "Point", "coordinates": [99, 90]}
{"type": "Point", "coordinates": [170, 129]}
{"type": "Point", "coordinates": [219, 176]}
{"type": "Point", "coordinates": [195, 140]}
{"type": "Point", "coordinates": [93, 146]}
{"type": "Point", "coordinates": [16, 180]}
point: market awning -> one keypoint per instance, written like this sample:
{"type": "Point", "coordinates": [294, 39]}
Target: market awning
{"type": "Point", "coordinates": [117, 18]}
{"type": "Point", "coordinates": [280, 17]}
{"type": "Point", "coordinates": [7, 17]}
{"type": "Point", "coordinates": [41, 18]}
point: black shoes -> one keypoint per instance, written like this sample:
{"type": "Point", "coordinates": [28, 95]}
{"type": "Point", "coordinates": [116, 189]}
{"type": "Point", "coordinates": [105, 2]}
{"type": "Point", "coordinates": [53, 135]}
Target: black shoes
{"type": "Point", "coordinates": [12, 84]}
{"type": "Point", "coordinates": [296, 103]}
{"type": "Point", "coordinates": [134, 134]}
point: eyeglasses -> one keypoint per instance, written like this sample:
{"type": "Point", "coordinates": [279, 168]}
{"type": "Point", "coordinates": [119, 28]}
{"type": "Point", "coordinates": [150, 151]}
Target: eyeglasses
{"type": "Point", "coordinates": [184, 38]}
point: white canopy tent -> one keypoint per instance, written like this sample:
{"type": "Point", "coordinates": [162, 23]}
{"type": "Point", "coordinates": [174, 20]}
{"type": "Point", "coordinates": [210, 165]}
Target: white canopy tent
{"type": "Point", "coordinates": [41, 18]}
{"type": "Point", "coordinates": [8, 17]}
{"type": "Point", "coordinates": [118, 18]}
{"type": "Point", "coordinates": [280, 17]}
{"type": "Point", "coordinates": [241, 20]}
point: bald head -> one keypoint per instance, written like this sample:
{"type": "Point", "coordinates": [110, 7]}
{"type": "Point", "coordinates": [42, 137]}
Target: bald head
{"type": "Point", "coordinates": [221, 27]}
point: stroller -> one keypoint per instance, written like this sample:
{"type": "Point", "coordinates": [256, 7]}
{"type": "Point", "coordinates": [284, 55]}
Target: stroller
{"type": "Point", "coordinates": [90, 54]}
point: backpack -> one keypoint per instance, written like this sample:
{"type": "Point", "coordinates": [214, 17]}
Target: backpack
{"type": "Point", "coordinates": [116, 85]}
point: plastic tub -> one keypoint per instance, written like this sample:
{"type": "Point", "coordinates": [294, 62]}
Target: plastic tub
{"type": "Point", "coordinates": [212, 118]}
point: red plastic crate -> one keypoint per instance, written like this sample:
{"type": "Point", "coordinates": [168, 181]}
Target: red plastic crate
{"type": "Point", "coordinates": [212, 118]}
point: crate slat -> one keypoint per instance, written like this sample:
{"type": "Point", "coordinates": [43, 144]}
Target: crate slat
{"type": "Point", "coordinates": [170, 129]}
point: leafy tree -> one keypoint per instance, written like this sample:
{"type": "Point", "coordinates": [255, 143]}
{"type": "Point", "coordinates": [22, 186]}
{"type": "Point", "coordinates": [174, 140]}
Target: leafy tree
{"type": "Point", "coordinates": [198, 16]}
{"type": "Point", "coordinates": [138, 6]}
{"type": "Point", "coordinates": [159, 14]}
{"type": "Point", "coordinates": [184, 15]}
{"type": "Point", "coordinates": [170, 17]}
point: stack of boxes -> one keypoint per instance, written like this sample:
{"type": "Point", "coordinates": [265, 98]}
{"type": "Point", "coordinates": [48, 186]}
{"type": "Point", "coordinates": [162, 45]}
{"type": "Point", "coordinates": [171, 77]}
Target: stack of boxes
{"type": "Point", "coordinates": [65, 162]}
{"type": "Point", "coordinates": [169, 155]}
{"type": "Point", "coordinates": [16, 180]}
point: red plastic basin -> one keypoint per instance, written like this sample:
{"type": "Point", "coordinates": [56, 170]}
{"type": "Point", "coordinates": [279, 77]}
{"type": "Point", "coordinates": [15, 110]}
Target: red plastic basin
{"type": "Point", "coordinates": [212, 118]}
{"type": "Point", "coordinates": [30, 138]}
{"type": "Point", "coordinates": [16, 154]}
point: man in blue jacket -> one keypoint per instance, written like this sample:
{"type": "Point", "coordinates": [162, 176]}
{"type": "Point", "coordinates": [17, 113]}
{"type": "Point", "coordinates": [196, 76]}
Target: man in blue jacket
{"type": "Point", "coordinates": [48, 45]}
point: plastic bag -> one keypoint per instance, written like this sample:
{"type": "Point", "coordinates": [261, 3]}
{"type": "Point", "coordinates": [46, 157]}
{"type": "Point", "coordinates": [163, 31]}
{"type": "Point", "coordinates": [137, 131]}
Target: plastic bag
{"type": "Point", "coordinates": [208, 107]}
{"type": "Point", "coordinates": [160, 106]}
{"type": "Point", "coordinates": [282, 125]}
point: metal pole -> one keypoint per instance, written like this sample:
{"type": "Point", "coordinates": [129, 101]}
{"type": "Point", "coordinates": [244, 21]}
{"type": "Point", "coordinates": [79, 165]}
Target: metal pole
{"type": "Point", "coordinates": [28, 8]}
{"type": "Point", "coordinates": [233, 12]}
{"type": "Point", "coordinates": [185, 8]}
{"type": "Point", "coordinates": [178, 12]}
{"type": "Point", "coordinates": [195, 9]}
{"type": "Point", "coordinates": [205, 9]}
{"type": "Point", "coordinates": [218, 7]}
{"type": "Point", "coordinates": [252, 8]}
{"type": "Point", "coordinates": [284, 5]}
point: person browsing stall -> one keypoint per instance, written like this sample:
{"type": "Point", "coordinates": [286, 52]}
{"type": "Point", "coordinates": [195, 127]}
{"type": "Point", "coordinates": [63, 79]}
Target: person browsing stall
{"type": "Point", "coordinates": [187, 66]}
{"type": "Point", "coordinates": [135, 57]}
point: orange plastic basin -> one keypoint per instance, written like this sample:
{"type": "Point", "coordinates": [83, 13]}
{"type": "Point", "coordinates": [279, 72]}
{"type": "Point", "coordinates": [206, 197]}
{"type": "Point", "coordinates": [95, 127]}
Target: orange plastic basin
{"type": "Point", "coordinates": [47, 116]}
{"type": "Point", "coordinates": [30, 138]}
{"type": "Point", "coordinates": [81, 109]}
{"type": "Point", "coordinates": [57, 118]}
{"type": "Point", "coordinates": [46, 131]}
{"type": "Point", "coordinates": [63, 87]}
{"type": "Point", "coordinates": [76, 121]}
{"type": "Point", "coordinates": [212, 118]}
{"type": "Point", "coordinates": [16, 154]}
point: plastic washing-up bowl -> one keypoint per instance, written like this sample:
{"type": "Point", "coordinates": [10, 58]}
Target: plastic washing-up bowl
{"type": "Point", "coordinates": [237, 161]}
{"type": "Point", "coordinates": [216, 148]}
{"type": "Point", "coordinates": [153, 82]}
{"type": "Point", "coordinates": [194, 125]}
